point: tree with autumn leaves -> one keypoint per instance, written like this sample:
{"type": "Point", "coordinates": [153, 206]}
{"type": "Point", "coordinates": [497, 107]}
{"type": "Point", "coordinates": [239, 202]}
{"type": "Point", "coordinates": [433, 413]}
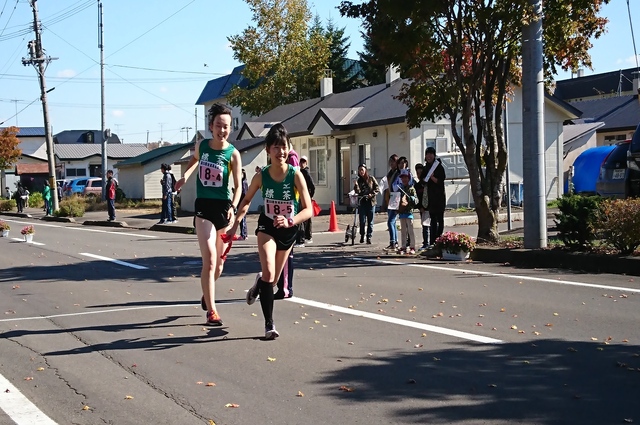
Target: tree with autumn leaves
{"type": "Point", "coordinates": [462, 59]}
{"type": "Point", "coordinates": [9, 151]}
{"type": "Point", "coordinates": [284, 56]}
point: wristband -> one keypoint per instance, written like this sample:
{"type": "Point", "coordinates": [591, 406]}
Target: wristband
{"type": "Point", "coordinates": [290, 220]}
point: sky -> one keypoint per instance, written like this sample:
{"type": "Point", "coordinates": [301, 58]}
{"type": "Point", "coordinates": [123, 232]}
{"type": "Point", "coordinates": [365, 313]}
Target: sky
{"type": "Point", "coordinates": [159, 55]}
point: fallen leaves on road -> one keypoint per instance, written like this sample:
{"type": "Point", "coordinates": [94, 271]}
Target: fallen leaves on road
{"type": "Point", "coordinates": [233, 405]}
{"type": "Point", "coordinates": [300, 394]}
{"type": "Point", "coordinates": [346, 389]}
{"type": "Point", "coordinates": [271, 359]}
{"type": "Point", "coordinates": [128, 397]}
{"type": "Point", "coordinates": [210, 384]}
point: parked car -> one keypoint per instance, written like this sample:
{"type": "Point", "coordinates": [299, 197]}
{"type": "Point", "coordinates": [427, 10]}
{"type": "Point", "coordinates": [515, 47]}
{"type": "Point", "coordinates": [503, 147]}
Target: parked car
{"type": "Point", "coordinates": [613, 181]}
{"type": "Point", "coordinates": [633, 162]}
{"type": "Point", "coordinates": [93, 187]}
{"type": "Point", "coordinates": [75, 186]}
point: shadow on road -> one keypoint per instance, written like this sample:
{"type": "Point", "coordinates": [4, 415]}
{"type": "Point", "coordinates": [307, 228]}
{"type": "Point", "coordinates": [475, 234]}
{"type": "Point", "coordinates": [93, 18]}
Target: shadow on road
{"type": "Point", "coordinates": [549, 382]}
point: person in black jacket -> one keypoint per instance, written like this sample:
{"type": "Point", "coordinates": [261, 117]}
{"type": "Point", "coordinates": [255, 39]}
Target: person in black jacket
{"type": "Point", "coordinates": [434, 175]}
{"type": "Point", "coordinates": [305, 227]}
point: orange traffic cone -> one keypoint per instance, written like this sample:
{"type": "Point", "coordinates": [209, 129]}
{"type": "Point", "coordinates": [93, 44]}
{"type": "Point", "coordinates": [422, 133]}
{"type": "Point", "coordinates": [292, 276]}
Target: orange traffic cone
{"type": "Point", "coordinates": [333, 219]}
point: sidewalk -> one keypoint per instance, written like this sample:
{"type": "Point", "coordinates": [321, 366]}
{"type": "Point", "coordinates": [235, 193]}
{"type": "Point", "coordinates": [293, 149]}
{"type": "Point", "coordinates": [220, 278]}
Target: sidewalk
{"type": "Point", "coordinates": [461, 222]}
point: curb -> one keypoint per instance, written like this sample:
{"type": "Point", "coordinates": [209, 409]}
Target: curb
{"type": "Point", "coordinates": [104, 223]}
{"type": "Point", "coordinates": [554, 258]}
{"type": "Point", "coordinates": [58, 219]}
{"type": "Point", "coordinates": [172, 229]}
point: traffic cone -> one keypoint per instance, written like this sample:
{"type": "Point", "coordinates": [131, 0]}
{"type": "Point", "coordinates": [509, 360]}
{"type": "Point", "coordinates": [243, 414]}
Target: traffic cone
{"type": "Point", "coordinates": [333, 219]}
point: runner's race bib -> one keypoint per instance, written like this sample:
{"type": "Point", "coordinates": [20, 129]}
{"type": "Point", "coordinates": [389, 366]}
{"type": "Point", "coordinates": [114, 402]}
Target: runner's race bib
{"type": "Point", "coordinates": [275, 207]}
{"type": "Point", "coordinates": [211, 174]}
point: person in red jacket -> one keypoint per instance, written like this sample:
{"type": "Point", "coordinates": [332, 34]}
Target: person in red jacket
{"type": "Point", "coordinates": [110, 192]}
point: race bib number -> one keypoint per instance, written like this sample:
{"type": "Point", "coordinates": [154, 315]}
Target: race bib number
{"type": "Point", "coordinates": [211, 174]}
{"type": "Point", "coordinates": [394, 201]}
{"type": "Point", "coordinates": [274, 207]}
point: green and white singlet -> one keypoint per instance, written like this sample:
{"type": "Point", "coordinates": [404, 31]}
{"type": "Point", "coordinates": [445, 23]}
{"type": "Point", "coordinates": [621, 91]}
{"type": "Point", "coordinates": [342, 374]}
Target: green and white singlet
{"type": "Point", "coordinates": [214, 169]}
{"type": "Point", "coordinates": [280, 198]}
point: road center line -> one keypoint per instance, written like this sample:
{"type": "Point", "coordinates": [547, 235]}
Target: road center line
{"type": "Point", "coordinates": [505, 275]}
{"type": "Point", "coordinates": [122, 263]}
{"type": "Point", "coordinates": [19, 408]}
{"type": "Point", "coordinates": [396, 321]}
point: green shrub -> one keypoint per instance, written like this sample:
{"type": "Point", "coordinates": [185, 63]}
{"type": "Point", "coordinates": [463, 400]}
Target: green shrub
{"type": "Point", "coordinates": [8, 204]}
{"type": "Point", "coordinates": [120, 195]}
{"type": "Point", "coordinates": [36, 200]}
{"type": "Point", "coordinates": [71, 207]}
{"type": "Point", "coordinates": [576, 220]}
{"type": "Point", "coordinates": [620, 224]}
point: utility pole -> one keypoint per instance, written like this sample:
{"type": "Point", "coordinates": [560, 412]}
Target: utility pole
{"type": "Point", "coordinates": [161, 124]}
{"type": "Point", "coordinates": [534, 203]}
{"type": "Point", "coordinates": [106, 133]}
{"type": "Point", "coordinates": [39, 61]}
{"type": "Point", "coordinates": [187, 130]}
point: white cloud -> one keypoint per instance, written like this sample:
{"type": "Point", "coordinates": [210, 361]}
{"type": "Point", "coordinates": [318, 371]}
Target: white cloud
{"type": "Point", "coordinates": [164, 89]}
{"type": "Point", "coordinates": [117, 113]}
{"type": "Point", "coordinates": [632, 60]}
{"type": "Point", "coordinates": [66, 73]}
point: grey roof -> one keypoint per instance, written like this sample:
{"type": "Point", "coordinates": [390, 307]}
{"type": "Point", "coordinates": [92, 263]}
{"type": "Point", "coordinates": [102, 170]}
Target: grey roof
{"type": "Point", "coordinates": [29, 131]}
{"type": "Point", "coordinates": [246, 144]}
{"type": "Point", "coordinates": [78, 136]}
{"type": "Point", "coordinates": [116, 151]}
{"type": "Point", "coordinates": [572, 132]}
{"type": "Point", "coordinates": [221, 86]}
{"type": "Point", "coordinates": [594, 85]}
{"type": "Point", "coordinates": [152, 155]}
{"type": "Point", "coordinates": [618, 113]}
{"type": "Point", "coordinates": [298, 116]}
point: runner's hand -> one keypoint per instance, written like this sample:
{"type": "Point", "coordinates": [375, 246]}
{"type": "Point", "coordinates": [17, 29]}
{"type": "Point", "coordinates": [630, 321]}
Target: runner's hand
{"type": "Point", "coordinates": [280, 222]}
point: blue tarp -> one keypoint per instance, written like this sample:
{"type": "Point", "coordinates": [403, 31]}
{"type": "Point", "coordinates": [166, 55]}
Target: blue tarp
{"type": "Point", "coordinates": [586, 169]}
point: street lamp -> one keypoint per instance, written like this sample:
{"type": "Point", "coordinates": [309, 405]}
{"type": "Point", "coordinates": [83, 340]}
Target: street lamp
{"type": "Point", "coordinates": [187, 130]}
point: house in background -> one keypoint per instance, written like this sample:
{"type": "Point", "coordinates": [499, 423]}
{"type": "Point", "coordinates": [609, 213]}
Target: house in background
{"type": "Point", "coordinates": [32, 167]}
{"type": "Point", "coordinates": [85, 160]}
{"type": "Point", "coordinates": [339, 131]}
{"type": "Point", "coordinates": [139, 177]}
{"type": "Point", "coordinates": [83, 137]}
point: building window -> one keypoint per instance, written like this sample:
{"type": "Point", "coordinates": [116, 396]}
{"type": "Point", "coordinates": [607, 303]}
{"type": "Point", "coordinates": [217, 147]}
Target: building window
{"type": "Point", "coordinates": [76, 172]}
{"type": "Point", "coordinates": [613, 138]}
{"type": "Point", "coordinates": [318, 160]}
{"type": "Point", "coordinates": [236, 123]}
{"type": "Point", "coordinates": [364, 155]}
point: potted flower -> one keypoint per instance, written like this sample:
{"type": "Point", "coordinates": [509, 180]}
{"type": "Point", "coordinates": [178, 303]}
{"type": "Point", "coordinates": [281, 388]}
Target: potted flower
{"type": "Point", "coordinates": [27, 232]}
{"type": "Point", "coordinates": [4, 227]}
{"type": "Point", "coordinates": [455, 246]}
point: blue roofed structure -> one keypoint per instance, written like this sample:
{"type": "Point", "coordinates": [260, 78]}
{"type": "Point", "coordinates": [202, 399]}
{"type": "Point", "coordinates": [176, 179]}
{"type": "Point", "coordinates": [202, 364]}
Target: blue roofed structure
{"type": "Point", "coordinates": [220, 87]}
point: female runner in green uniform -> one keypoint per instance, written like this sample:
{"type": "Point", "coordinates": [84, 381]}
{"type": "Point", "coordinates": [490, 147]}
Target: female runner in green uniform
{"type": "Point", "coordinates": [286, 205]}
{"type": "Point", "coordinates": [215, 205]}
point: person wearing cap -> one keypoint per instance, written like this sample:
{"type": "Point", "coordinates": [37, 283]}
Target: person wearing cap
{"type": "Point", "coordinates": [433, 175]}
{"type": "Point", "coordinates": [408, 201]}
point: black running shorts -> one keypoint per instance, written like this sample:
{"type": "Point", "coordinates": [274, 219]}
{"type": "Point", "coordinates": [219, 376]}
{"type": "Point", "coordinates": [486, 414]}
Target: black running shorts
{"type": "Point", "coordinates": [284, 237]}
{"type": "Point", "coordinates": [213, 210]}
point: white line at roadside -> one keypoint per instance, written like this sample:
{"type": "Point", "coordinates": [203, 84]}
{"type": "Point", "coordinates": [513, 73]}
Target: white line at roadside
{"type": "Point", "coordinates": [503, 275]}
{"type": "Point", "coordinates": [122, 263]}
{"type": "Point", "coordinates": [86, 313]}
{"type": "Point", "coordinates": [32, 242]}
{"type": "Point", "coordinates": [19, 408]}
{"type": "Point", "coordinates": [396, 321]}
{"type": "Point", "coordinates": [84, 229]}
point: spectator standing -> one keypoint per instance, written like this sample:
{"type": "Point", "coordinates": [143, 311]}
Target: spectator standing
{"type": "Point", "coordinates": [167, 205]}
{"type": "Point", "coordinates": [305, 233]}
{"type": "Point", "coordinates": [46, 194]}
{"type": "Point", "coordinates": [174, 192]}
{"type": "Point", "coordinates": [367, 188]}
{"type": "Point", "coordinates": [110, 193]}
{"type": "Point", "coordinates": [7, 192]}
{"type": "Point", "coordinates": [21, 196]}
{"type": "Point", "coordinates": [425, 221]}
{"type": "Point", "coordinates": [408, 200]}
{"type": "Point", "coordinates": [392, 214]}
{"type": "Point", "coordinates": [243, 224]}
{"type": "Point", "coordinates": [434, 176]}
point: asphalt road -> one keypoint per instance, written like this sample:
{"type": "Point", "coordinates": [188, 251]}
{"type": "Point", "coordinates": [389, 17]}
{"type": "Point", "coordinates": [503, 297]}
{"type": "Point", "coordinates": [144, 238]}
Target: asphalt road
{"type": "Point", "coordinates": [368, 339]}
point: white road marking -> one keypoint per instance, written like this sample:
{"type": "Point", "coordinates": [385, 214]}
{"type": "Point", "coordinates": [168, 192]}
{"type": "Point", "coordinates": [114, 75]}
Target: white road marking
{"type": "Point", "coordinates": [84, 229]}
{"type": "Point", "coordinates": [86, 313]}
{"type": "Point", "coordinates": [19, 408]}
{"type": "Point", "coordinates": [396, 321]}
{"type": "Point", "coordinates": [505, 275]}
{"type": "Point", "coordinates": [122, 263]}
{"type": "Point", "coordinates": [32, 242]}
